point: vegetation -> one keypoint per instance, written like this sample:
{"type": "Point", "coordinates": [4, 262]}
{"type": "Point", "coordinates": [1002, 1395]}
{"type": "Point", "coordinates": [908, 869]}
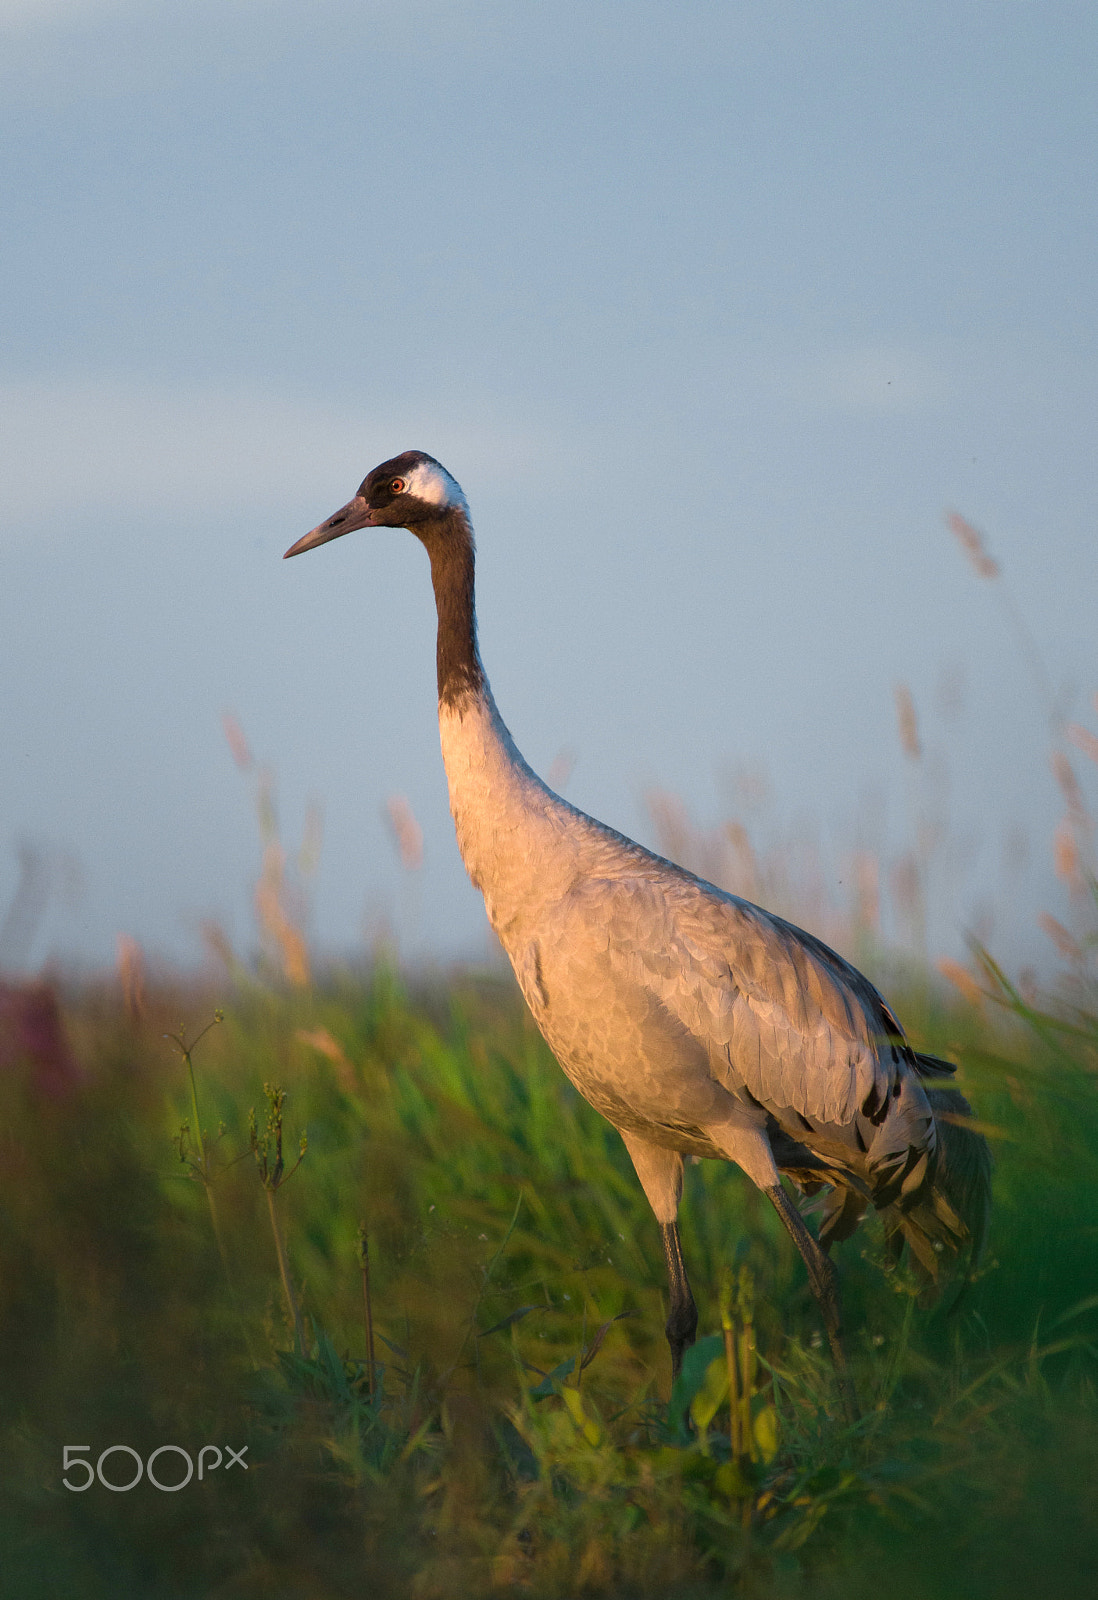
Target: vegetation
{"type": "Point", "coordinates": [161, 1286]}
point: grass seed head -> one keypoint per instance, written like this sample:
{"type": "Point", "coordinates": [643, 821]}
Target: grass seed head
{"type": "Point", "coordinates": [908, 722]}
{"type": "Point", "coordinates": [971, 541]}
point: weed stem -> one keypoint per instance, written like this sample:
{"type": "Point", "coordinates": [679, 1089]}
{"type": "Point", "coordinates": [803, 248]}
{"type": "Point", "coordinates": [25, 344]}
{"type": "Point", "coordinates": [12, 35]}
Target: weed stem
{"type": "Point", "coordinates": [284, 1272]}
{"type": "Point", "coordinates": [367, 1304]}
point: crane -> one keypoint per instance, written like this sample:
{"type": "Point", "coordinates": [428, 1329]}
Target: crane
{"type": "Point", "coordinates": [695, 1022]}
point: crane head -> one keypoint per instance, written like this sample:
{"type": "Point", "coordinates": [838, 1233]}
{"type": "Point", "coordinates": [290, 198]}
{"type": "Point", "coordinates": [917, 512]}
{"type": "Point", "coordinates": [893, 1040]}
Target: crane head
{"type": "Point", "coordinates": [405, 492]}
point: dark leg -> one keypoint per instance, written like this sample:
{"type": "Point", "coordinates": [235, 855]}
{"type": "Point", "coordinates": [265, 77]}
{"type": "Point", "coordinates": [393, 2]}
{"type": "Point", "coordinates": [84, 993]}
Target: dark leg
{"type": "Point", "coordinates": [825, 1286]}
{"type": "Point", "coordinates": [682, 1319]}
{"type": "Point", "coordinates": [660, 1173]}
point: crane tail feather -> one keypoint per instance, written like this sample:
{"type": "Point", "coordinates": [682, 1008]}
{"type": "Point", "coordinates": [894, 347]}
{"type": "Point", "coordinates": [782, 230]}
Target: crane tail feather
{"type": "Point", "coordinates": [933, 1066]}
{"type": "Point", "coordinates": [949, 1215]}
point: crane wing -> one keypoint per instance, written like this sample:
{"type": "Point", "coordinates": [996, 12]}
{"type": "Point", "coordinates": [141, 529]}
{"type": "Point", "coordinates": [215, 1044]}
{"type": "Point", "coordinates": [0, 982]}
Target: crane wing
{"type": "Point", "coordinates": [783, 1016]}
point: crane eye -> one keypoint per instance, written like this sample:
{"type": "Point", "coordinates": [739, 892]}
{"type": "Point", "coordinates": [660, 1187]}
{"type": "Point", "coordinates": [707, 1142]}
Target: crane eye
{"type": "Point", "coordinates": [397, 486]}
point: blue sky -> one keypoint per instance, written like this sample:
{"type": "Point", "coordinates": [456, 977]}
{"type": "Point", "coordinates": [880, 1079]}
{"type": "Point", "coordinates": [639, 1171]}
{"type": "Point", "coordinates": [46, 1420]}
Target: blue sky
{"type": "Point", "coordinates": [712, 309]}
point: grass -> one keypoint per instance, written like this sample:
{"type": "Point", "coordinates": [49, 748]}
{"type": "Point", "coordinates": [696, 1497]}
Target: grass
{"type": "Point", "coordinates": [519, 1436]}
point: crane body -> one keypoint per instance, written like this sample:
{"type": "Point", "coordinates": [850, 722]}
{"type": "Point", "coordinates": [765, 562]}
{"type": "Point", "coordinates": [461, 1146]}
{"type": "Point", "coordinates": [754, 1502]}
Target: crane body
{"type": "Point", "coordinates": [695, 1022]}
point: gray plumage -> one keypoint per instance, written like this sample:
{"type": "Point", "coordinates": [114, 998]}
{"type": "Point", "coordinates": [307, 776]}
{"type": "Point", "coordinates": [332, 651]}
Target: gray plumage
{"type": "Point", "coordinates": [695, 1022]}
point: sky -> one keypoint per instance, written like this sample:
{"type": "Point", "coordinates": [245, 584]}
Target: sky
{"type": "Point", "coordinates": [714, 310]}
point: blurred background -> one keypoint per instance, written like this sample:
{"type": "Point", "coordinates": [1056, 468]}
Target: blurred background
{"type": "Point", "coordinates": [716, 311]}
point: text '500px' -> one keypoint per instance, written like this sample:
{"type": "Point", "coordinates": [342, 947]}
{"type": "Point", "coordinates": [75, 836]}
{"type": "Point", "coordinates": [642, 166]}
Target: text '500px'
{"type": "Point", "coordinates": [76, 1460]}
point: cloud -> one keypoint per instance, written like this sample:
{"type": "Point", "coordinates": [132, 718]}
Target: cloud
{"type": "Point", "coordinates": [61, 53]}
{"type": "Point", "coordinates": [77, 446]}
{"type": "Point", "coordinates": [23, 15]}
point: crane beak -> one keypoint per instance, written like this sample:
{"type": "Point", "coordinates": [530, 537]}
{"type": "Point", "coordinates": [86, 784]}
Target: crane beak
{"type": "Point", "coordinates": [355, 514]}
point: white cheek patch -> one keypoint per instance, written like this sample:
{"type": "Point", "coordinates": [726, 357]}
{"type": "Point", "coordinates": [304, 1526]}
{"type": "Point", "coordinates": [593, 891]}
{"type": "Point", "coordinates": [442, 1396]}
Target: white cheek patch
{"type": "Point", "coordinates": [431, 483]}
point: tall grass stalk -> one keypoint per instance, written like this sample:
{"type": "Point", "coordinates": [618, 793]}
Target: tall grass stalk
{"type": "Point", "coordinates": [367, 1305]}
{"type": "Point", "coordinates": [202, 1169]}
{"type": "Point", "coordinates": [272, 1174]}
{"type": "Point", "coordinates": [731, 1361]}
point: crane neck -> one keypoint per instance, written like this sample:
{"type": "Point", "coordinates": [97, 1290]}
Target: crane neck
{"type": "Point", "coordinates": [505, 818]}
{"type": "Point", "coordinates": [449, 543]}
